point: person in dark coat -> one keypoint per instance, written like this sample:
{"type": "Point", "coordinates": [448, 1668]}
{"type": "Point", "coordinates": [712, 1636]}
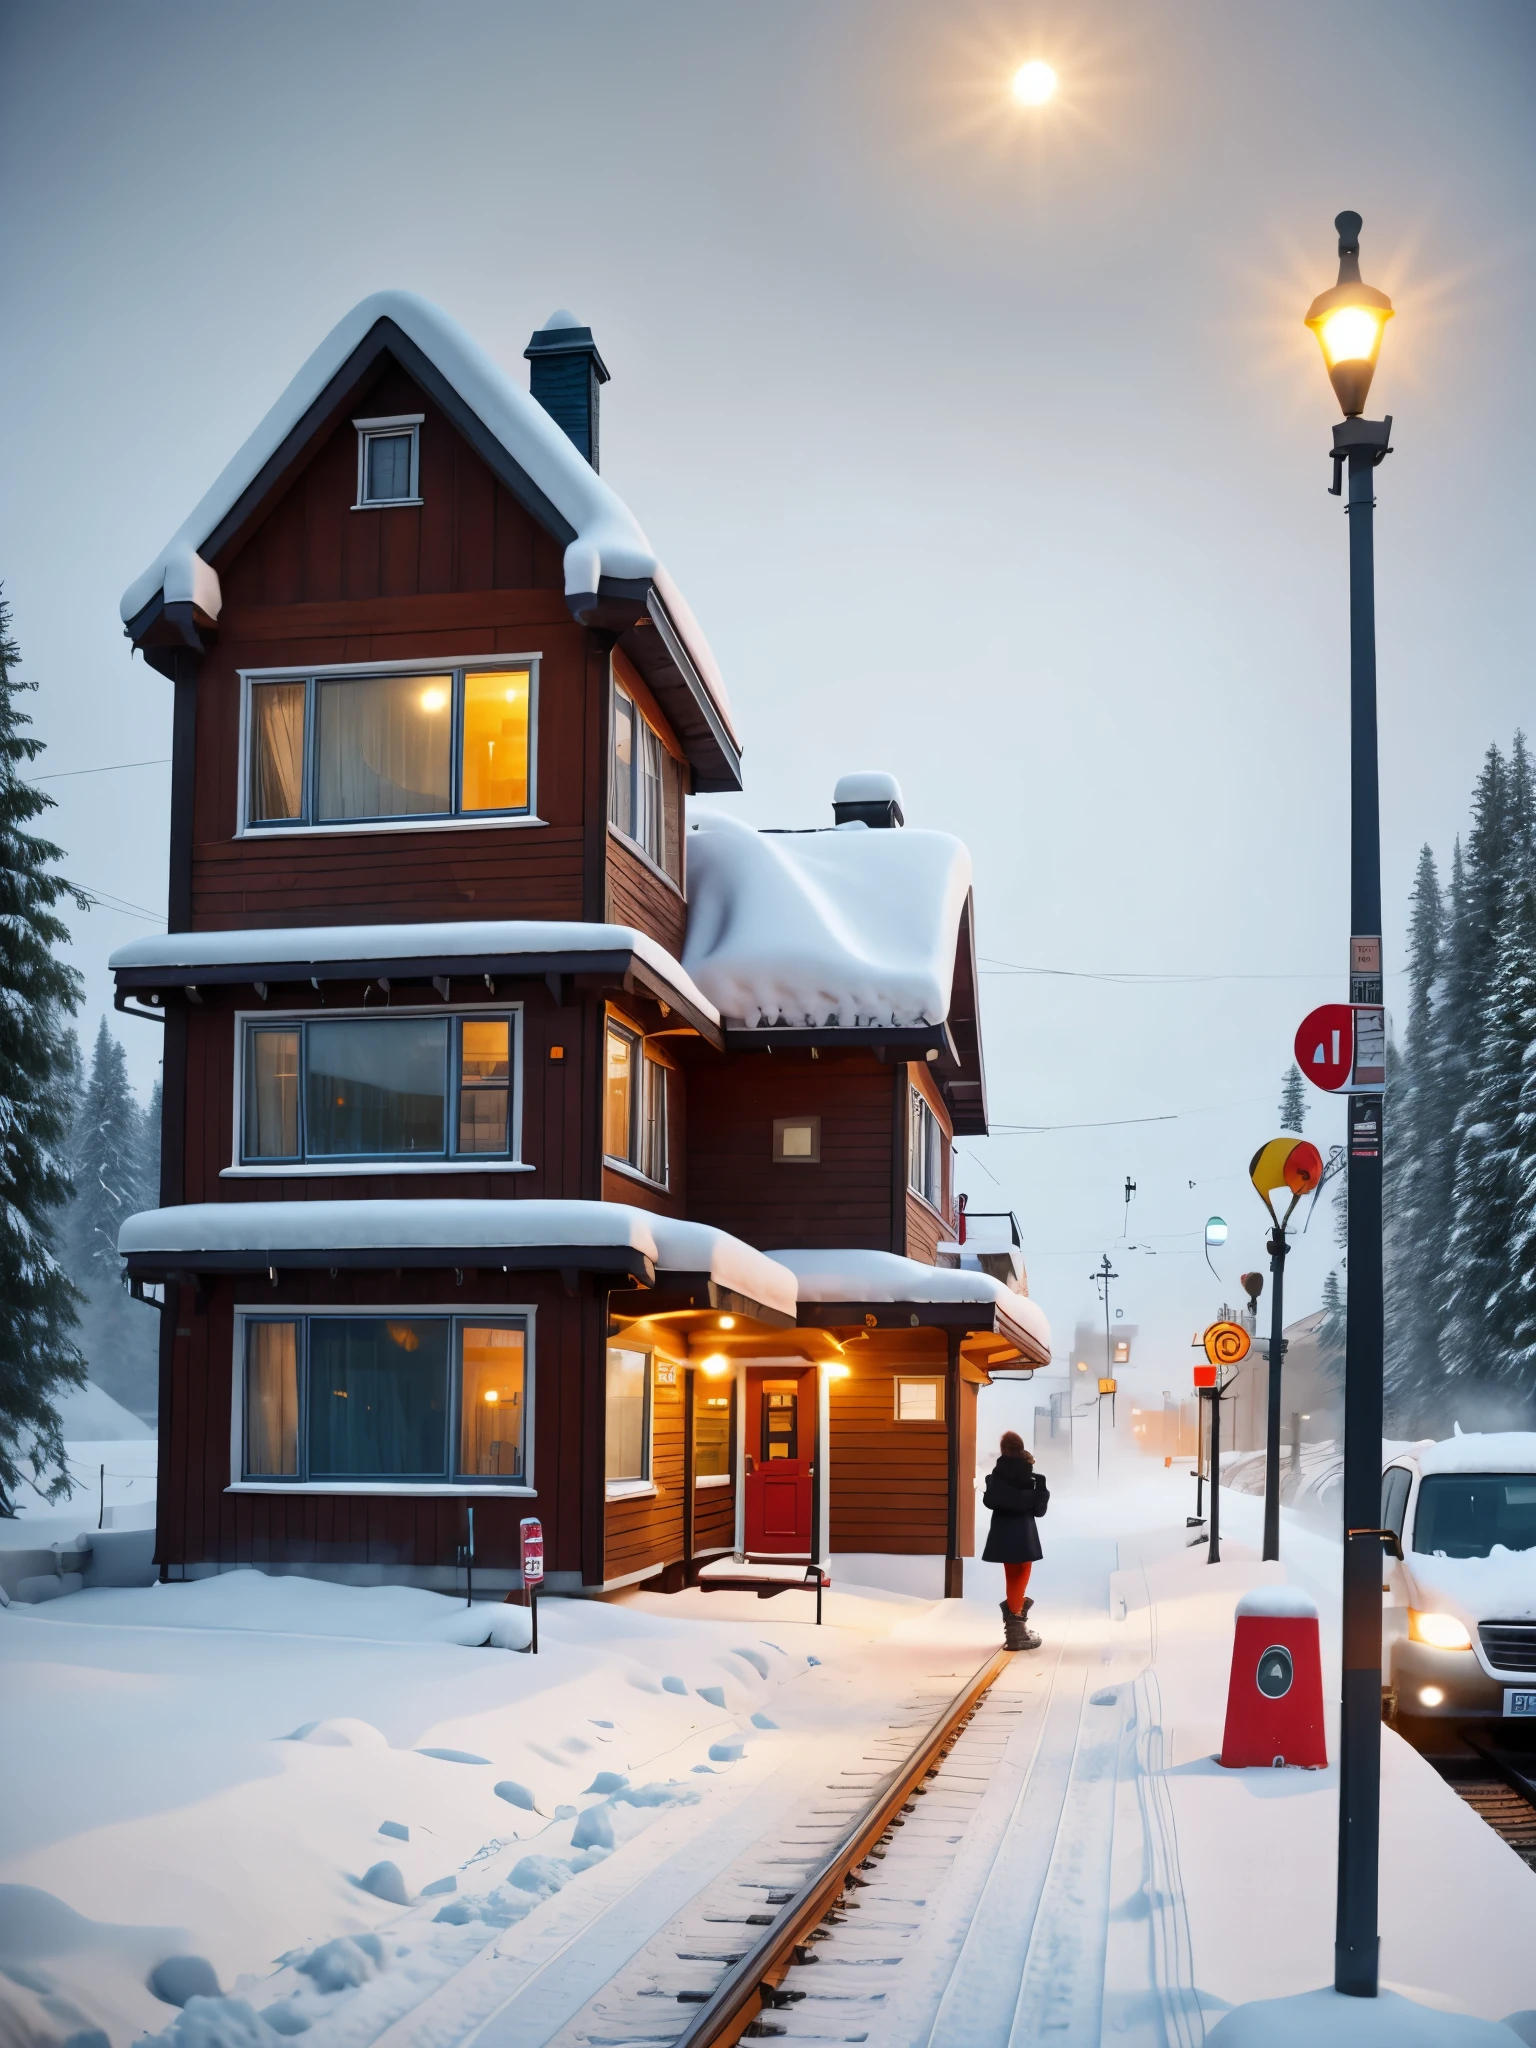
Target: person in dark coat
{"type": "Point", "coordinates": [1017, 1495]}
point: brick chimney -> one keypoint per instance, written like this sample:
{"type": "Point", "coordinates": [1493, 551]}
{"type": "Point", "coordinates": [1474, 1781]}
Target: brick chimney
{"type": "Point", "coordinates": [565, 376]}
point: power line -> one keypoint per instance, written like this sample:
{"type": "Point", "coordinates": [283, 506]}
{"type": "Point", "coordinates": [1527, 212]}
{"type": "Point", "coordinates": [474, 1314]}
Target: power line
{"type": "Point", "coordinates": [1150, 980]}
{"type": "Point", "coordinates": [107, 768]}
{"type": "Point", "coordinates": [102, 900]}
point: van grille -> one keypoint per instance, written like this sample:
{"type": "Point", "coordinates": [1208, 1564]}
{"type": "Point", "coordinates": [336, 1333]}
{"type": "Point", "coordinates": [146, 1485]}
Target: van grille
{"type": "Point", "coordinates": [1509, 1645]}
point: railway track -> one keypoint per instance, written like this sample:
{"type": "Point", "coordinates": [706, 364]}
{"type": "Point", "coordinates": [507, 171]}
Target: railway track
{"type": "Point", "coordinates": [1499, 1792]}
{"type": "Point", "coordinates": [716, 1973]}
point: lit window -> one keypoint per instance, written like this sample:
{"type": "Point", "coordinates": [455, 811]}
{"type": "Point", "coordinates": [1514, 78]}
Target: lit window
{"type": "Point", "coordinates": [919, 1400]}
{"type": "Point", "coordinates": [627, 1457]}
{"type": "Point", "coordinates": [634, 1105]}
{"type": "Point", "coordinates": [797, 1140]}
{"type": "Point", "coordinates": [714, 1433]}
{"type": "Point", "coordinates": [363, 749]}
{"type": "Point", "coordinates": [925, 1161]}
{"type": "Point", "coordinates": [388, 461]}
{"type": "Point", "coordinates": [380, 1087]}
{"type": "Point", "coordinates": [645, 786]}
{"type": "Point", "coordinates": [344, 1397]}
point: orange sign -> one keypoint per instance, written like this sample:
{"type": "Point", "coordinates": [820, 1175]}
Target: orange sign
{"type": "Point", "coordinates": [1226, 1343]}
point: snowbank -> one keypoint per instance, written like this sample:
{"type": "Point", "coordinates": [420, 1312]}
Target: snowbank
{"type": "Point", "coordinates": [1326, 2019]}
{"type": "Point", "coordinates": [607, 540]}
{"type": "Point", "coordinates": [1506, 1450]}
{"type": "Point", "coordinates": [844, 928]}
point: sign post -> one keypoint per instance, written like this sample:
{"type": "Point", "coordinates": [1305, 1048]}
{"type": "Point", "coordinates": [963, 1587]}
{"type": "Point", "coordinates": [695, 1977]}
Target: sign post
{"type": "Point", "coordinates": [1225, 1344]}
{"type": "Point", "coordinates": [532, 1533]}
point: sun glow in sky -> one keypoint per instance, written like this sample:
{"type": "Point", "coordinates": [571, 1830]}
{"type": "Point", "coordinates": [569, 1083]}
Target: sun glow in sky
{"type": "Point", "coordinates": [1034, 83]}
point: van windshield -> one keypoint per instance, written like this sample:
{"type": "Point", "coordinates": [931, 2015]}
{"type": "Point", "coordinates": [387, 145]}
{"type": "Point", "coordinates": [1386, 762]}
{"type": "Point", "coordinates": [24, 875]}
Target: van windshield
{"type": "Point", "coordinates": [1464, 1514]}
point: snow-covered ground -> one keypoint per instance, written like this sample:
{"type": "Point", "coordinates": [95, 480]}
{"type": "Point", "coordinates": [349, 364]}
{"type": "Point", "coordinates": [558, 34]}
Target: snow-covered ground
{"type": "Point", "coordinates": [362, 1821]}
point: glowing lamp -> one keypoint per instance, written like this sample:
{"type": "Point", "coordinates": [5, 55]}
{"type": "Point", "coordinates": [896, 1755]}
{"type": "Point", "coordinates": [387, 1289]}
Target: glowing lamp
{"type": "Point", "coordinates": [1215, 1230]}
{"type": "Point", "coordinates": [1349, 322]}
{"type": "Point", "coordinates": [1431, 1696]}
{"type": "Point", "coordinates": [839, 1372]}
{"type": "Point", "coordinates": [1034, 83]}
{"type": "Point", "coordinates": [1439, 1631]}
{"type": "Point", "coordinates": [716, 1366]}
{"type": "Point", "coordinates": [434, 699]}
{"type": "Point", "coordinates": [727, 1322]}
{"type": "Point", "coordinates": [492, 1397]}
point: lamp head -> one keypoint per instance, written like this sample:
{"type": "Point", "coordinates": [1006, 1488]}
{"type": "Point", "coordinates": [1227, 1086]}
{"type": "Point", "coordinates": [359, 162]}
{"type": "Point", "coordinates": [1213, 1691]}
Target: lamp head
{"type": "Point", "coordinates": [1349, 322]}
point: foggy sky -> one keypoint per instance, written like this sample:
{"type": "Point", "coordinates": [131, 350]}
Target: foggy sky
{"type": "Point", "coordinates": [986, 443]}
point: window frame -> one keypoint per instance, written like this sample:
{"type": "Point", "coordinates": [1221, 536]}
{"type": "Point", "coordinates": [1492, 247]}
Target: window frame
{"type": "Point", "coordinates": [324, 1165]}
{"type": "Point", "coordinates": [669, 766]}
{"type": "Point", "coordinates": [926, 1379]}
{"type": "Point", "coordinates": [643, 1486]}
{"type": "Point", "coordinates": [617, 1025]}
{"type": "Point", "coordinates": [450, 1486]}
{"type": "Point", "coordinates": [781, 1124]}
{"type": "Point", "coordinates": [385, 428]}
{"type": "Point", "coordinates": [921, 1116]}
{"type": "Point", "coordinates": [728, 1476]}
{"type": "Point", "coordinates": [454, 819]}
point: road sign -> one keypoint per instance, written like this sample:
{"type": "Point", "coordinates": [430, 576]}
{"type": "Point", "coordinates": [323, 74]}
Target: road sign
{"type": "Point", "coordinates": [1325, 1046]}
{"type": "Point", "coordinates": [532, 1532]}
{"type": "Point", "coordinates": [1226, 1343]}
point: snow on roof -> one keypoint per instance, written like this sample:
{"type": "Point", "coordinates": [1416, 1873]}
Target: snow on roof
{"type": "Point", "coordinates": [279, 1227]}
{"type": "Point", "coordinates": [856, 1275]}
{"type": "Point", "coordinates": [1276, 1601]}
{"type": "Point", "coordinates": [607, 540]}
{"type": "Point", "coordinates": [846, 927]}
{"type": "Point", "coordinates": [866, 786]}
{"type": "Point", "coordinates": [326, 945]}
{"type": "Point", "coordinates": [1507, 1450]}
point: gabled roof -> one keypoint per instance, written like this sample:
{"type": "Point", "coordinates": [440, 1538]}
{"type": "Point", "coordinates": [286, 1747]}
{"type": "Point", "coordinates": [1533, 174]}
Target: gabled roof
{"type": "Point", "coordinates": [847, 936]}
{"type": "Point", "coordinates": [613, 577]}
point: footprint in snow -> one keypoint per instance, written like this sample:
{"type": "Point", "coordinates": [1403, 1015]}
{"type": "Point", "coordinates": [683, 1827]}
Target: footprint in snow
{"type": "Point", "coordinates": [674, 1685]}
{"type": "Point", "coordinates": [755, 1658]}
{"type": "Point", "coordinates": [762, 1721]}
{"type": "Point", "coordinates": [608, 1781]}
{"type": "Point", "coordinates": [715, 1694]}
{"type": "Point", "coordinates": [454, 1756]}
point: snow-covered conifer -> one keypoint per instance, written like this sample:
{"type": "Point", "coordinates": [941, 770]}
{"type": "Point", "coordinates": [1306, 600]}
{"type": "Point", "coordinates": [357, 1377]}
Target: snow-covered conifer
{"type": "Point", "coordinates": [1331, 1332]}
{"type": "Point", "coordinates": [1418, 1195]}
{"type": "Point", "coordinates": [1293, 1100]}
{"type": "Point", "coordinates": [37, 990]}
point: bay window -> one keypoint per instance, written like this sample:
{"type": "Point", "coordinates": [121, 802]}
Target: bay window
{"type": "Point", "coordinates": [408, 1397]}
{"type": "Point", "coordinates": [382, 1087]}
{"type": "Point", "coordinates": [359, 748]}
{"type": "Point", "coordinates": [634, 1105]}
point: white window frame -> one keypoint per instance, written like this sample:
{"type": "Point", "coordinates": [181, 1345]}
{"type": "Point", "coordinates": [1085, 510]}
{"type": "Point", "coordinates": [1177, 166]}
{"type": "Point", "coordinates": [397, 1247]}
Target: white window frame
{"type": "Point", "coordinates": [440, 821]}
{"type": "Point", "coordinates": [926, 1379]}
{"type": "Point", "coordinates": [644, 1487]}
{"type": "Point", "coordinates": [656, 861]}
{"type": "Point", "coordinates": [922, 1119]}
{"type": "Point", "coordinates": [388, 425]}
{"type": "Point", "coordinates": [614, 1022]}
{"type": "Point", "coordinates": [410, 1489]}
{"type": "Point", "coordinates": [313, 1169]}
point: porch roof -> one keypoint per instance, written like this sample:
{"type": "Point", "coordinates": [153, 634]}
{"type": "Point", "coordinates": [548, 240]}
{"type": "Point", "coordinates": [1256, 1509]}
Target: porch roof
{"type": "Point", "coordinates": [845, 1285]}
{"type": "Point", "coordinates": [365, 952]}
{"type": "Point", "coordinates": [522, 1236]}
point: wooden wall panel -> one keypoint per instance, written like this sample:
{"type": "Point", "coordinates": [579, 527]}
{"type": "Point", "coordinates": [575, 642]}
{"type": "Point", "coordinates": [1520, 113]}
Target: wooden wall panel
{"type": "Point", "coordinates": [639, 896]}
{"type": "Point", "coordinates": [202, 1522]}
{"type": "Point", "coordinates": [714, 1519]}
{"type": "Point", "coordinates": [925, 1231]}
{"type": "Point", "coordinates": [733, 1181]}
{"type": "Point", "coordinates": [646, 1532]}
{"type": "Point", "coordinates": [889, 1480]}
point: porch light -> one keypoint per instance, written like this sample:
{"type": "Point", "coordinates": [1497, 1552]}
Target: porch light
{"type": "Point", "coordinates": [839, 1372]}
{"type": "Point", "coordinates": [716, 1366]}
{"type": "Point", "coordinates": [1349, 322]}
{"type": "Point", "coordinates": [727, 1322]}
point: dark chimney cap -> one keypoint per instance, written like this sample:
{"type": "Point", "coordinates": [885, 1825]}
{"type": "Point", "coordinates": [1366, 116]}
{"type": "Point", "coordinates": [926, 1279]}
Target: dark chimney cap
{"type": "Point", "coordinates": [565, 377]}
{"type": "Point", "coordinates": [868, 797]}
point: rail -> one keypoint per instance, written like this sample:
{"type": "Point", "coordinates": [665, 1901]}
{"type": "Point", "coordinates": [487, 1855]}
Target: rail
{"type": "Point", "coordinates": [753, 1985]}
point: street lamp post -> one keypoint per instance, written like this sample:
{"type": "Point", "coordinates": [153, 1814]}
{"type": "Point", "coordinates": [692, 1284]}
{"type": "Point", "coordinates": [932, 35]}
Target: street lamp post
{"type": "Point", "coordinates": [1349, 321]}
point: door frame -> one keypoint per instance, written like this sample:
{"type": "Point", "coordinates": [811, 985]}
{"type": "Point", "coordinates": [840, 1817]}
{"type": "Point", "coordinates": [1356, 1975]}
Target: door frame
{"type": "Point", "coordinates": [821, 1438]}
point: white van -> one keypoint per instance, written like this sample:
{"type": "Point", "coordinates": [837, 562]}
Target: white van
{"type": "Point", "coordinates": [1459, 1620]}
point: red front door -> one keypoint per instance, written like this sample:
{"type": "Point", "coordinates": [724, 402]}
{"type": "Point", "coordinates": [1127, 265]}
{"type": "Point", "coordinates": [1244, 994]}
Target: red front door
{"type": "Point", "coordinates": [781, 1433]}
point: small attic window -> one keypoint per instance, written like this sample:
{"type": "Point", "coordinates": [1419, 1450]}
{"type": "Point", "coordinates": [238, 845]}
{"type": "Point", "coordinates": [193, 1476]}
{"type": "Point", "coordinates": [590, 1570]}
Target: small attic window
{"type": "Point", "coordinates": [388, 461]}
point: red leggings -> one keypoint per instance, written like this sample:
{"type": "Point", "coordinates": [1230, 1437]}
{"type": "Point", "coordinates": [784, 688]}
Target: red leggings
{"type": "Point", "coordinates": [1016, 1580]}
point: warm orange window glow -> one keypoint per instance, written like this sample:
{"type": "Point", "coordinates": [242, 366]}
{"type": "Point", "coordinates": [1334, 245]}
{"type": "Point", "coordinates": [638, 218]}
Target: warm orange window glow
{"type": "Point", "coordinates": [495, 757]}
{"type": "Point", "coordinates": [491, 1411]}
{"type": "Point", "coordinates": [617, 1083]}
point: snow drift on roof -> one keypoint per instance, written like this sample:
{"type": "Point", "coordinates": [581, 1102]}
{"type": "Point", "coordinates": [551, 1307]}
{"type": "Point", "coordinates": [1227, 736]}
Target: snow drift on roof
{"type": "Point", "coordinates": [327, 945]}
{"type": "Point", "coordinates": [847, 927]}
{"type": "Point", "coordinates": [852, 1275]}
{"type": "Point", "coordinates": [279, 1227]}
{"type": "Point", "coordinates": [608, 540]}
{"type": "Point", "coordinates": [1508, 1450]}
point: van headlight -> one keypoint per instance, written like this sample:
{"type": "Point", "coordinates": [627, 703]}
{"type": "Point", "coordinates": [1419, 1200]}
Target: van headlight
{"type": "Point", "coordinates": [1439, 1631]}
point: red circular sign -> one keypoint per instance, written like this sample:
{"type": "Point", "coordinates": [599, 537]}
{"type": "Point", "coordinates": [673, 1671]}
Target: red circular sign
{"type": "Point", "coordinates": [1325, 1045]}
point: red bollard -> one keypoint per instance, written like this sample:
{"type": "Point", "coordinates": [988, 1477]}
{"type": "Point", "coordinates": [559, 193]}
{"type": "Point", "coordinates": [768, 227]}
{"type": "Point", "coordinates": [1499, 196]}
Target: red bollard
{"type": "Point", "coordinates": [1275, 1695]}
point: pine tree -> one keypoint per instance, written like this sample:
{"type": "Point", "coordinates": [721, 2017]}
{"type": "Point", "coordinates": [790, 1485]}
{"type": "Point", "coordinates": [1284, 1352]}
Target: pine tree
{"type": "Point", "coordinates": [1418, 1214]}
{"type": "Point", "coordinates": [1293, 1100]}
{"type": "Point", "coordinates": [37, 991]}
{"type": "Point", "coordinates": [1331, 1332]}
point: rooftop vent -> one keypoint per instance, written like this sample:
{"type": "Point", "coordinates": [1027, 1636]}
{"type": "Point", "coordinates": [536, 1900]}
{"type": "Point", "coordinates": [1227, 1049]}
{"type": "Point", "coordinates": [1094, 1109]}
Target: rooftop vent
{"type": "Point", "coordinates": [565, 376]}
{"type": "Point", "coordinates": [868, 797]}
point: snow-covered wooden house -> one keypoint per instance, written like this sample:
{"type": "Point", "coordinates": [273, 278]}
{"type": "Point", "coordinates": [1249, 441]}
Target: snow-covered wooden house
{"type": "Point", "coordinates": [526, 1148]}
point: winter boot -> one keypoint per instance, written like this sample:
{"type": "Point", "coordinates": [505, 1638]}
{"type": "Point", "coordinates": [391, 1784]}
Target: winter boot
{"type": "Point", "coordinates": [1015, 1635]}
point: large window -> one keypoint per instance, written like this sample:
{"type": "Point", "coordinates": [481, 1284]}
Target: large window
{"type": "Point", "coordinates": [408, 1087]}
{"type": "Point", "coordinates": [407, 1398]}
{"type": "Point", "coordinates": [645, 786]}
{"type": "Point", "coordinates": [627, 1459]}
{"type": "Point", "coordinates": [634, 1105]}
{"type": "Point", "coordinates": [714, 1427]}
{"type": "Point", "coordinates": [925, 1159]}
{"type": "Point", "coordinates": [355, 749]}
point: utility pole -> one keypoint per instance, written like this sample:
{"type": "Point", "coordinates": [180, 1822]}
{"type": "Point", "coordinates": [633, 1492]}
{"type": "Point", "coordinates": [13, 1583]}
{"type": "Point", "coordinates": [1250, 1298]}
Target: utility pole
{"type": "Point", "coordinates": [1101, 1276]}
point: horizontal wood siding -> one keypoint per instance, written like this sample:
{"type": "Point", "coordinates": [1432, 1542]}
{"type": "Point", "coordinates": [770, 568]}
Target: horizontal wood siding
{"type": "Point", "coordinates": [202, 1522]}
{"type": "Point", "coordinates": [733, 1181]}
{"type": "Point", "coordinates": [648, 1531]}
{"type": "Point", "coordinates": [889, 1480]}
{"type": "Point", "coordinates": [925, 1231]}
{"type": "Point", "coordinates": [638, 896]}
{"type": "Point", "coordinates": [714, 1519]}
